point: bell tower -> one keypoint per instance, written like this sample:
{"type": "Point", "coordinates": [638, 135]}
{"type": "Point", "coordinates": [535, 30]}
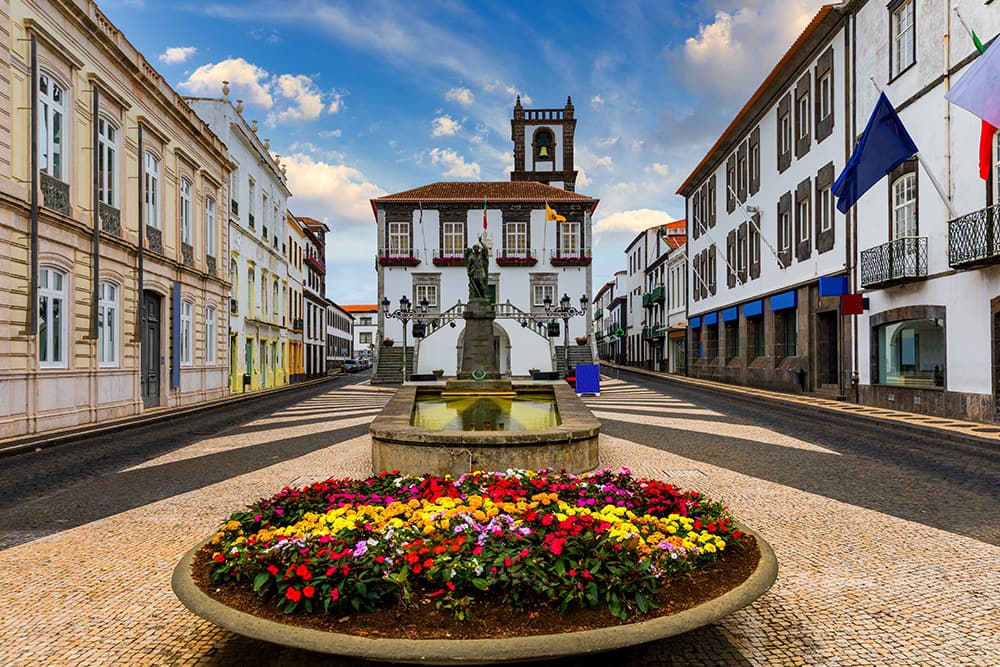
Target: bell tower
{"type": "Point", "coordinates": [543, 145]}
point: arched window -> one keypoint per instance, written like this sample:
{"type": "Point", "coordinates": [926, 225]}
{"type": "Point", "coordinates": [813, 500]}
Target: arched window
{"type": "Point", "coordinates": [107, 325]}
{"type": "Point", "coordinates": [274, 300]}
{"type": "Point", "coordinates": [250, 291]}
{"type": "Point", "coordinates": [107, 162]}
{"type": "Point", "coordinates": [544, 144]}
{"type": "Point", "coordinates": [52, 318]}
{"type": "Point", "coordinates": [186, 211]}
{"type": "Point", "coordinates": [51, 131]}
{"type": "Point", "coordinates": [904, 206]}
{"type": "Point", "coordinates": [187, 324]}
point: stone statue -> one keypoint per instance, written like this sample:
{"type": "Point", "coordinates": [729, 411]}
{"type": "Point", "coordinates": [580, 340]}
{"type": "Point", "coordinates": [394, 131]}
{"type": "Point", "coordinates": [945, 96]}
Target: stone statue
{"type": "Point", "coordinates": [477, 264]}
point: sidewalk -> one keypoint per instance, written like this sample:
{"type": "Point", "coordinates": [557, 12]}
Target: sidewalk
{"type": "Point", "coordinates": [954, 429]}
{"type": "Point", "coordinates": [33, 441]}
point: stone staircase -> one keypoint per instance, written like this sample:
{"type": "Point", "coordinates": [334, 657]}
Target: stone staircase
{"type": "Point", "coordinates": [389, 365]}
{"type": "Point", "coordinates": [578, 354]}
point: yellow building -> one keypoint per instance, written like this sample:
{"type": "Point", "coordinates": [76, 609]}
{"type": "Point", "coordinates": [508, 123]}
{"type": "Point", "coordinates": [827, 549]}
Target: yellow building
{"type": "Point", "coordinates": [295, 361]}
{"type": "Point", "coordinates": [93, 323]}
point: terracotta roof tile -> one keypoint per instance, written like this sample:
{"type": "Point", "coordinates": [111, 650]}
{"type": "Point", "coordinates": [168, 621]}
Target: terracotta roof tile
{"type": "Point", "coordinates": [361, 308]}
{"type": "Point", "coordinates": [491, 191]}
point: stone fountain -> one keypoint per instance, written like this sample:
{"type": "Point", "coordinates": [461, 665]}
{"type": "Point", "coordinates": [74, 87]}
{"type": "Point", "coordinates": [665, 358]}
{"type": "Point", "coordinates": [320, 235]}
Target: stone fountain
{"type": "Point", "coordinates": [569, 442]}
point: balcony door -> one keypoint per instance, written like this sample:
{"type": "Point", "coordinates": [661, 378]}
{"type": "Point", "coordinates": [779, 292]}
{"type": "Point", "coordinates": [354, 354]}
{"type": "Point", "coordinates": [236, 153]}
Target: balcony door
{"type": "Point", "coordinates": [904, 250]}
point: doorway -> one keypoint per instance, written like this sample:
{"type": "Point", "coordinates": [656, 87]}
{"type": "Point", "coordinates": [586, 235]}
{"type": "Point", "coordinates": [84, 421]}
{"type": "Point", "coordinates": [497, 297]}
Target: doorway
{"type": "Point", "coordinates": [150, 342]}
{"type": "Point", "coordinates": [827, 369]}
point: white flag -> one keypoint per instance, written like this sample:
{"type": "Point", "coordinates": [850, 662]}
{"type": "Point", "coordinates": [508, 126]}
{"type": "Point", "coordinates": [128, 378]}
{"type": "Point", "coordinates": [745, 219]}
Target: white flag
{"type": "Point", "coordinates": [978, 91]}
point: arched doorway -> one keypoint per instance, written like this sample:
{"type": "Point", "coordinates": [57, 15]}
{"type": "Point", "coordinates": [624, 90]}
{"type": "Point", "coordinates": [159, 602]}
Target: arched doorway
{"type": "Point", "coordinates": [501, 349]}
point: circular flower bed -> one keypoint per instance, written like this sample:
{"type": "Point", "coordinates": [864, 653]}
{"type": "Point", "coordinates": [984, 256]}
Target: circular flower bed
{"type": "Point", "coordinates": [529, 539]}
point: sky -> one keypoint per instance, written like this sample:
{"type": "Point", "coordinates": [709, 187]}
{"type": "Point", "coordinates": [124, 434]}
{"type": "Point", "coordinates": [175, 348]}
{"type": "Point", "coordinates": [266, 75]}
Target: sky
{"type": "Point", "coordinates": [361, 99]}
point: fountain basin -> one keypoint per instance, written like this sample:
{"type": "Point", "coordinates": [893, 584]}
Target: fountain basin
{"type": "Point", "coordinates": [399, 445]}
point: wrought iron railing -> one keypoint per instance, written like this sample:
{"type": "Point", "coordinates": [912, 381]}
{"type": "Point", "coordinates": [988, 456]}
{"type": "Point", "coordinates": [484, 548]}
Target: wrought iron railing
{"type": "Point", "coordinates": [155, 238]}
{"type": "Point", "coordinates": [900, 260]}
{"type": "Point", "coordinates": [111, 218]}
{"type": "Point", "coordinates": [187, 254]}
{"type": "Point", "coordinates": [974, 239]}
{"type": "Point", "coordinates": [55, 193]}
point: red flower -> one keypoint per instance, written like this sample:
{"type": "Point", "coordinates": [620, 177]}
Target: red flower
{"type": "Point", "coordinates": [335, 594]}
{"type": "Point", "coordinates": [711, 528]}
{"type": "Point", "coordinates": [737, 534]}
{"type": "Point", "coordinates": [303, 572]}
{"type": "Point", "coordinates": [417, 569]}
{"type": "Point", "coordinates": [428, 563]}
{"type": "Point", "coordinates": [507, 561]}
{"type": "Point", "coordinates": [697, 524]}
{"type": "Point", "coordinates": [571, 572]}
{"type": "Point", "coordinates": [293, 595]}
{"type": "Point", "coordinates": [219, 558]}
{"type": "Point", "coordinates": [309, 591]}
{"type": "Point", "coordinates": [450, 585]}
{"type": "Point", "coordinates": [273, 569]}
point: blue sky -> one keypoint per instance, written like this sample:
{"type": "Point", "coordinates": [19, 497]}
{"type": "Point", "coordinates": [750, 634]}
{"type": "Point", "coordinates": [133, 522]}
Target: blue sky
{"type": "Point", "coordinates": [367, 98]}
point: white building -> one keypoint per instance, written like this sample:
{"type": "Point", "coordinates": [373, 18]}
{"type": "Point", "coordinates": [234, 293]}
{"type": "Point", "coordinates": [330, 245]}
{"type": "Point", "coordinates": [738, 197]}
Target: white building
{"type": "Point", "coordinates": [365, 328]}
{"type": "Point", "coordinates": [258, 321]}
{"type": "Point", "coordinates": [339, 336]}
{"type": "Point", "coordinates": [314, 295]}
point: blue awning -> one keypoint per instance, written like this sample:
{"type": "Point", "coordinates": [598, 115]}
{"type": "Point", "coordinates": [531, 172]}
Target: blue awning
{"type": "Point", "coordinates": [784, 300]}
{"type": "Point", "coordinates": [695, 323]}
{"type": "Point", "coordinates": [711, 318]}
{"type": "Point", "coordinates": [730, 314]}
{"type": "Point", "coordinates": [833, 286]}
{"type": "Point", "coordinates": [753, 308]}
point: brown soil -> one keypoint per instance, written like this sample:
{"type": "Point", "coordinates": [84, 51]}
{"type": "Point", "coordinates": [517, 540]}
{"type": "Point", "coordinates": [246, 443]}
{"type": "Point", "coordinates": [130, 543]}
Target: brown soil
{"type": "Point", "coordinates": [491, 619]}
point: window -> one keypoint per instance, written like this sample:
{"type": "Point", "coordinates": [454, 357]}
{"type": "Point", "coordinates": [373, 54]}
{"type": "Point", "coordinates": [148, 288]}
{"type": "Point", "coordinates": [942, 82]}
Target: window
{"type": "Point", "coordinates": [904, 206]}
{"type": "Point", "coordinates": [399, 239]}
{"type": "Point", "coordinates": [186, 211]}
{"type": "Point", "coordinates": [755, 336]}
{"type": "Point", "coordinates": [742, 173]}
{"type": "Point", "coordinates": [251, 201]}
{"type": "Point", "coordinates": [824, 209]}
{"type": "Point", "coordinates": [251, 287]}
{"type": "Point", "coordinates": [753, 242]}
{"type": "Point", "coordinates": [210, 342]}
{"type": "Point", "coordinates": [263, 294]}
{"type": "Point", "coordinates": [107, 162]}
{"type": "Point", "coordinates": [802, 118]}
{"type": "Point", "coordinates": [152, 191]}
{"type": "Point", "coordinates": [210, 227]}
{"type": "Point", "coordinates": [804, 217]}
{"type": "Point", "coordinates": [51, 318]}
{"type": "Point", "coordinates": [51, 143]}
{"type": "Point", "coordinates": [786, 326]}
{"type": "Point", "coordinates": [754, 167]}
{"type": "Point", "coordinates": [365, 321]}
{"type": "Point", "coordinates": [903, 42]}
{"type": "Point", "coordinates": [784, 230]}
{"type": "Point", "coordinates": [540, 292]}
{"type": "Point", "coordinates": [741, 253]}
{"type": "Point", "coordinates": [452, 239]}
{"type": "Point", "coordinates": [569, 239]}
{"type": "Point", "coordinates": [187, 321]}
{"type": "Point", "coordinates": [732, 339]}
{"type": "Point", "coordinates": [516, 239]}
{"type": "Point", "coordinates": [786, 133]}
{"type": "Point", "coordinates": [710, 349]}
{"type": "Point", "coordinates": [275, 300]}
{"type": "Point", "coordinates": [824, 97]}
{"type": "Point", "coordinates": [544, 144]}
{"type": "Point", "coordinates": [428, 292]}
{"type": "Point", "coordinates": [911, 353]}
{"type": "Point", "coordinates": [107, 325]}
{"type": "Point", "coordinates": [365, 337]}
{"type": "Point", "coordinates": [264, 214]}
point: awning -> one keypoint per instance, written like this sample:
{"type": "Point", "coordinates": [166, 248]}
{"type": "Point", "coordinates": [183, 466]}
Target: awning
{"type": "Point", "coordinates": [784, 300]}
{"type": "Point", "coordinates": [753, 308]}
{"type": "Point", "coordinates": [730, 314]}
{"type": "Point", "coordinates": [695, 323]}
{"type": "Point", "coordinates": [711, 318]}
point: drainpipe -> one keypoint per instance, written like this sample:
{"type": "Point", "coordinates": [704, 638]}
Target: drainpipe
{"type": "Point", "coordinates": [947, 106]}
{"type": "Point", "coordinates": [95, 206]}
{"type": "Point", "coordinates": [852, 245]}
{"type": "Point", "coordinates": [33, 277]}
{"type": "Point", "coordinates": [141, 320]}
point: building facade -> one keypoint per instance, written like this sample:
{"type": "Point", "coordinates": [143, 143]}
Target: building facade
{"type": "Point", "coordinates": [295, 259]}
{"type": "Point", "coordinates": [110, 229]}
{"type": "Point", "coordinates": [257, 263]}
{"type": "Point", "coordinates": [365, 328]}
{"type": "Point", "coordinates": [339, 336]}
{"type": "Point", "coordinates": [314, 296]}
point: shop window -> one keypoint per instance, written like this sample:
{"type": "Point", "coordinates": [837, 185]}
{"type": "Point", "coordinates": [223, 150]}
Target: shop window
{"type": "Point", "coordinates": [911, 353]}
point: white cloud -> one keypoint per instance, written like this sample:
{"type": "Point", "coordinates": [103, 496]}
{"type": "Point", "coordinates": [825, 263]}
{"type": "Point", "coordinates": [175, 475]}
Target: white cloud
{"type": "Point", "coordinates": [596, 101]}
{"type": "Point", "coordinates": [306, 100]}
{"type": "Point", "coordinates": [177, 54]}
{"type": "Point", "coordinates": [248, 81]}
{"type": "Point", "coordinates": [445, 126]}
{"type": "Point", "coordinates": [658, 168]}
{"type": "Point", "coordinates": [328, 134]}
{"type": "Point", "coordinates": [321, 190]}
{"type": "Point", "coordinates": [337, 103]}
{"type": "Point", "coordinates": [607, 142]}
{"type": "Point", "coordinates": [510, 90]}
{"type": "Point", "coordinates": [631, 221]}
{"type": "Point", "coordinates": [455, 163]}
{"type": "Point", "coordinates": [461, 95]}
{"type": "Point", "coordinates": [736, 50]}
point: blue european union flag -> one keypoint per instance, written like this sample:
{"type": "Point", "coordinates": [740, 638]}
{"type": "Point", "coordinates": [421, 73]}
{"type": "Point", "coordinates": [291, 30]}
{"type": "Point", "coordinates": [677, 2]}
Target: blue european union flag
{"type": "Point", "coordinates": [884, 146]}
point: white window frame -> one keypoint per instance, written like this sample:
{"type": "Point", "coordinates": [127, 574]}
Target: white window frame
{"type": "Point", "coordinates": [539, 292]}
{"type": "Point", "coordinates": [452, 239]}
{"type": "Point", "coordinates": [52, 304]}
{"type": "Point", "coordinates": [570, 243]}
{"type": "Point", "coordinates": [785, 228]}
{"type": "Point", "coordinates": [210, 336]}
{"type": "Point", "coordinates": [805, 220]}
{"type": "Point", "coordinates": [904, 206]}
{"type": "Point", "coordinates": [753, 244]}
{"type": "Point", "coordinates": [187, 332]}
{"type": "Point", "coordinates": [743, 173]}
{"type": "Point", "coordinates": [210, 232]}
{"type": "Point", "coordinates": [152, 190]}
{"type": "Point", "coordinates": [825, 209]}
{"type": "Point", "coordinates": [107, 162]}
{"type": "Point", "coordinates": [803, 115]}
{"type": "Point", "coordinates": [399, 239]}
{"type": "Point", "coordinates": [251, 198]}
{"type": "Point", "coordinates": [786, 132]}
{"type": "Point", "coordinates": [107, 325]}
{"type": "Point", "coordinates": [517, 239]}
{"type": "Point", "coordinates": [823, 88]}
{"type": "Point", "coordinates": [427, 291]}
{"type": "Point", "coordinates": [754, 164]}
{"type": "Point", "coordinates": [52, 127]}
{"type": "Point", "coordinates": [741, 255]}
{"type": "Point", "coordinates": [903, 38]}
{"type": "Point", "coordinates": [186, 212]}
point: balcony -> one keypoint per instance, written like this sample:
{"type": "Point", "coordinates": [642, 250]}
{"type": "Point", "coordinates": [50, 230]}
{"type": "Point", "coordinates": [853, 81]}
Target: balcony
{"type": "Point", "coordinates": [974, 239]}
{"type": "Point", "coordinates": [653, 333]}
{"type": "Point", "coordinates": [517, 258]}
{"type": "Point", "coordinates": [316, 264]}
{"type": "Point", "coordinates": [448, 258]}
{"type": "Point", "coordinates": [899, 261]}
{"type": "Point", "coordinates": [598, 313]}
{"type": "Point", "coordinates": [111, 219]}
{"type": "Point", "coordinates": [569, 259]}
{"type": "Point", "coordinates": [55, 193]}
{"type": "Point", "coordinates": [647, 300]}
{"type": "Point", "coordinates": [393, 257]}
{"type": "Point", "coordinates": [659, 294]}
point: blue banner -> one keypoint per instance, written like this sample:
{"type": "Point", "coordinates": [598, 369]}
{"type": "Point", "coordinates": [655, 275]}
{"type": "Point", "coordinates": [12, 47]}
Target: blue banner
{"type": "Point", "coordinates": [588, 379]}
{"type": "Point", "coordinates": [833, 286]}
{"type": "Point", "coordinates": [753, 308]}
{"type": "Point", "coordinates": [730, 314]}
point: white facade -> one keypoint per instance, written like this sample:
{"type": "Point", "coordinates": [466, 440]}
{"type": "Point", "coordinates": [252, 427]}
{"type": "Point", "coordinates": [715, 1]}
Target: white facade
{"type": "Point", "coordinates": [258, 237]}
{"type": "Point", "coordinates": [365, 329]}
{"type": "Point", "coordinates": [339, 336]}
{"type": "Point", "coordinates": [561, 266]}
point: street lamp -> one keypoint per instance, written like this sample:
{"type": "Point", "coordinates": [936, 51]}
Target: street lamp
{"type": "Point", "coordinates": [566, 311]}
{"type": "Point", "coordinates": [404, 314]}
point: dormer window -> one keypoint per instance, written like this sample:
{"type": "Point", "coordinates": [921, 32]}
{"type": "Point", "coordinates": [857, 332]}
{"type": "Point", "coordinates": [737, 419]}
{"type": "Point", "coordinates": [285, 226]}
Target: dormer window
{"type": "Point", "coordinates": [544, 144]}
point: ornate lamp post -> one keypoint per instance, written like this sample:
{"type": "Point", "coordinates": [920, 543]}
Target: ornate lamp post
{"type": "Point", "coordinates": [404, 314]}
{"type": "Point", "coordinates": [566, 311]}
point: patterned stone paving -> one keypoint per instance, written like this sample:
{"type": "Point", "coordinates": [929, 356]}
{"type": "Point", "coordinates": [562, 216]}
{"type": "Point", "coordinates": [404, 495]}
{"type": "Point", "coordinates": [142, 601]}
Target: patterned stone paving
{"type": "Point", "coordinates": [856, 587]}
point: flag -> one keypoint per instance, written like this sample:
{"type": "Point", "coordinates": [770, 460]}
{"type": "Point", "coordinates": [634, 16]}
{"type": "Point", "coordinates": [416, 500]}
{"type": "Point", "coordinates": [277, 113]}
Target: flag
{"type": "Point", "coordinates": [550, 214]}
{"type": "Point", "coordinates": [978, 91]}
{"type": "Point", "coordinates": [987, 131]}
{"type": "Point", "coordinates": [884, 145]}
{"type": "Point", "coordinates": [484, 215]}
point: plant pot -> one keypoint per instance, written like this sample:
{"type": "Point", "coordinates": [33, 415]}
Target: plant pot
{"type": "Point", "coordinates": [581, 343]}
{"type": "Point", "coordinates": [388, 343]}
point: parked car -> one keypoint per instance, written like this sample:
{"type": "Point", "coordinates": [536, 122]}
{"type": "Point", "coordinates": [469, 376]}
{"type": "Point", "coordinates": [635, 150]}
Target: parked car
{"type": "Point", "coordinates": [351, 366]}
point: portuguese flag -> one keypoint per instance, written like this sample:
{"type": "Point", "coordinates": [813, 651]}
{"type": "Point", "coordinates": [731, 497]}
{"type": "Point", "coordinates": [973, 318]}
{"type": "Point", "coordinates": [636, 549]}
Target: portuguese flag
{"type": "Point", "coordinates": [986, 134]}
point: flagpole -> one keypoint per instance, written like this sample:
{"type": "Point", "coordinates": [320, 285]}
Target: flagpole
{"type": "Point", "coordinates": [736, 273]}
{"type": "Point", "coordinates": [757, 227]}
{"type": "Point", "coordinates": [930, 174]}
{"type": "Point", "coordinates": [423, 233]}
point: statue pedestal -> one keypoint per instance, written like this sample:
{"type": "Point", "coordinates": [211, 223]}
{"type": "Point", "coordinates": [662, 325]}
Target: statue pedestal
{"type": "Point", "coordinates": [478, 360]}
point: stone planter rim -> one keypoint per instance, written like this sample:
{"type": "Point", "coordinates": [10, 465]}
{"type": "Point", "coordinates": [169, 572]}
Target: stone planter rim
{"type": "Point", "coordinates": [475, 651]}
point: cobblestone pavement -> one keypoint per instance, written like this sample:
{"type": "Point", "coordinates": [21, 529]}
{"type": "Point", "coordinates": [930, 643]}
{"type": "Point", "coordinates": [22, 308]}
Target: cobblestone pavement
{"type": "Point", "coordinates": [857, 585]}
